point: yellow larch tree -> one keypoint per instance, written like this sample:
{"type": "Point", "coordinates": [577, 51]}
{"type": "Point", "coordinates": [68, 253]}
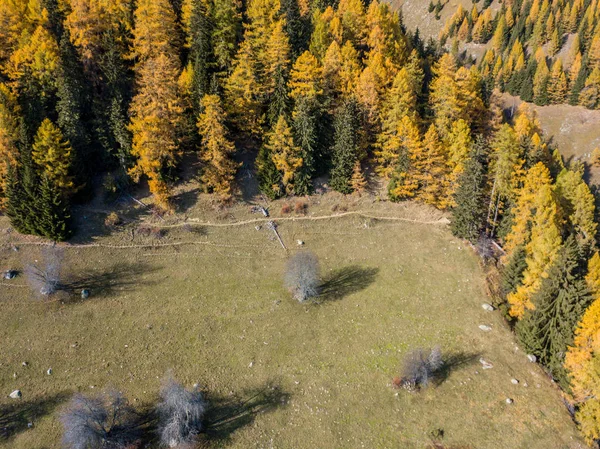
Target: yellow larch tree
{"type": "Point", "coordinates": [51, 152]}
{"type": "Point", "coordinates": [332, 63]}
{"type": "Point", "coordinates": [541, 251]}
{"type": "Point", "coordinates": [368, 96]}
{"type": "Point", "coordinates": [218, 171]}
{"type": "Point", "coordinates": [583, 357]}
{"type": "Point", "coordinates": [36, 59]}
{"type": "Point", "coordinates": [557, 84]}
{"type": "Point", "coordinates": [524, 208]}
{"type": "Point", "coordinates": [350, 69]}
{"type": "Point", "coordinates": [457, 146]}
{"type": "Point", "coordinates": [578, 204]}
{"type": "Point", "coordinates": [444, 94]}
{"type": "Point", "coordinates": [305, 77]}
{"type": "Point", "coordinates": [90, 20]}
{"type": "Point", "coordinates": [9, 136]}
{"type": "Point", "coordinates": [286, 156]}
{"type": "Point", "coordinates": [353, 19]}
{"type": "Point", "coordinates": [399, 103]}
{"type": "Point", "coordinates": [430, 172]}
{"type": "Point", "coordinates": [397, 155]}
{"type": "Point", "coordinates": [156, 119]}
{"type": "Point", "coordinates": [155, 30]}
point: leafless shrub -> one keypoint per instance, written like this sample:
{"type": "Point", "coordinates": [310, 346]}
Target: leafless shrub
{"type": "Point", "coordinates": [112, 220]}
{"type": "Point", "coordinates": [151, 231]}
{"type": "Point", "coordinates": [105, 421]}
{"type": "Point", "coordinates": [485, 249]}
{"type": "Point", "coordinates": [419, 368]}
{"type": "Point", "coordinates": [339, 208]}
{"type": "Point", "coordinates": [180, 413]}
{"type": "Point", "coordinates": [300, 207]}
{"type": "Point", "coordinates": [286, 209]}
{"type": "Point", "coordinates": [44, 277]}
{"type": "Point", "coordinates": [302, 276]}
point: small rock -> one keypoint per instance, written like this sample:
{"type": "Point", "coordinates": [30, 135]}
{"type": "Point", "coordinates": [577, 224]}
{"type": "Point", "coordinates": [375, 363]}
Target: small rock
{"type": "Point", "coordinates": [525, 385]}
{"type": "Point", "coordinates": [532, 358]}
{"type": "Point", "coordinates": [15, 394]}
{"type": "Point", "coordinates": [485, 328]}
{"type": "Point", "coordinates": [509, 401]}
{"type": "Point", "coordinates": [29, 425]}
{"type": "Point", "coordinates": [251, 365]}
{"type": "Point", "coordinates": [514, 381]}
{"type": "Point", "coordinates": [10, 274]}
{"type": "Point", "coordinates": [14, 375]}
{"type": "Point", "coordinates": [49, 372]}
{"type": "Point", "coordinates": [85, 293]}
{"type": "Point", "coordinates": [299, 242]}
{"type": "Point", "coordinates": [24, 363]}
{"type": "Point", "coordinates": [488, 307]}
{"type": "Point", "coordinates": [257, 228]}
{"type": "Point", "coordinates": [485, 364]}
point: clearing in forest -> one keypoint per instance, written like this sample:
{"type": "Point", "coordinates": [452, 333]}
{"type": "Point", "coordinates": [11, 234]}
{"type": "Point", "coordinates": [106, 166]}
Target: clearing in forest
{"type": "Point", "coordinates": [208, 303]}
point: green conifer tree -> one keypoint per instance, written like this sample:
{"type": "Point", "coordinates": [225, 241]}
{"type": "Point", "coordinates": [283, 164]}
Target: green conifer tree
{"type": "Point", "coordinates": [346, 147]}
{"type": "Point", "coordinates": [468, 217]}
{"type": "Point", "coordinates": [512, 273]}
{"type": "Point", "coordinates": [548, 330]}
{"type": "Point", "coordinates": [306, 136]}
{"type": "Point", "coordinates": [269, 178]}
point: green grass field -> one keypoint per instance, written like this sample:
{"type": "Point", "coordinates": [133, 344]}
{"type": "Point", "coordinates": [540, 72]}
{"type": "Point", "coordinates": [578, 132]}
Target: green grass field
{"type": "Point", "coordinates": [207, 303]}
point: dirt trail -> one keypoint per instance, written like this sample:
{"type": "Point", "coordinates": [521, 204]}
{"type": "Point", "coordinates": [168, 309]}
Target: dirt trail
{"type": "Point", "coordinates": [440, 221]}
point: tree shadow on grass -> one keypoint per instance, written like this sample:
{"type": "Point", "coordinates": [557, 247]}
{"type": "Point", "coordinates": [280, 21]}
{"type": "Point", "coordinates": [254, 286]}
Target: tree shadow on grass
{"type": "Point", "coordinates": [345, 281]}
{"type": "Point", "coordinates": [227, 414]}
{"type": "Point", "coordinates": [120, 277]}
{"type": "Point", "coordinates": [15, 417]}
{"type": "Point", "coordinates": [454, 361]}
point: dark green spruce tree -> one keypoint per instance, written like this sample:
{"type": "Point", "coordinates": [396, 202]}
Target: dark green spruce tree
{"type": "Point", "coordinates": [346, 146]}
{"type": "Point", "coordinates": [306, 137]}
{"type": "Point", "coordinates": [53, 212]}
{"type": "Point", "coordinates": [201, 53]}
{"type": "Point", "coordinates": [72, 102]}
{"type": "Point", "coordinates": [269, 178]}
{"type": "Point", "coordinates": [279, 101]}
{"type": "Point", "coordinates": [548, 330]}
{"type": "Point", "coordinates": [294, 26]}
{"type": "Point", "coordinates": [468, 217]}
{"type": "Point", "coordinates": [512, 273]}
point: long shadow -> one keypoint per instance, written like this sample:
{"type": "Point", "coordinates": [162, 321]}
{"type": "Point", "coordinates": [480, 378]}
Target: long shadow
{"type": "Point", "coordinates": [121, 276]}
{"type": "Point", "coordinates": [186, 200]}
{"type": "Point", "coordinates": [226, 414]}
{"type": "Point", "coordinates": [346, 281]}
{"type": "Point", "coordinates": [15, 417]}
{"type": "Point", "coordinates": [453, 362]}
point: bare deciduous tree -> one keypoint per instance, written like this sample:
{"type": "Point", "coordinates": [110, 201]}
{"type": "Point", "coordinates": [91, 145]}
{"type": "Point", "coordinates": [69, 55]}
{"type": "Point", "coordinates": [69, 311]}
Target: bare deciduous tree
{"type": "Point", "coordinates": [106, 421]}
{"type": "Point", "coordinates": [44, 277]}
{"type": "Point", "coordinates": [180, 413]}
{"type": "Point", "coordinates": [419, 367]}
{"type": "Point", "coordinates": [302, 275]}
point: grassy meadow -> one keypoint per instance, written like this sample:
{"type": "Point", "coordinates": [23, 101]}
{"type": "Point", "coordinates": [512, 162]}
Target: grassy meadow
{"type": "Point", "coordinates": [205, 301]}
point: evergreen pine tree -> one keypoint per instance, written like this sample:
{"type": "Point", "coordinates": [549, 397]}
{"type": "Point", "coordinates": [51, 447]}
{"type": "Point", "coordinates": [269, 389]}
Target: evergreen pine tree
{"type": "Point", "coordinates": [468, 216]}
{"type": "Point", "coordinates": [53, 212]}
{"type": "Point", "coordinates": [346, 148]}
{"type": "Point", "coordinates": [201, 53]}
{"type": "Point", "coordinates": [269, 178]}
{"type": "Point", "coordinates": [548, 330]}
{"type": "Point", "coordinates": [306, 136]}
{"type": "Point", "coordinates": [279, 103]}
{"type": "Point", "coordinates": [512, 273]}
{"type": "Point", "coordinates": [294, 26]}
